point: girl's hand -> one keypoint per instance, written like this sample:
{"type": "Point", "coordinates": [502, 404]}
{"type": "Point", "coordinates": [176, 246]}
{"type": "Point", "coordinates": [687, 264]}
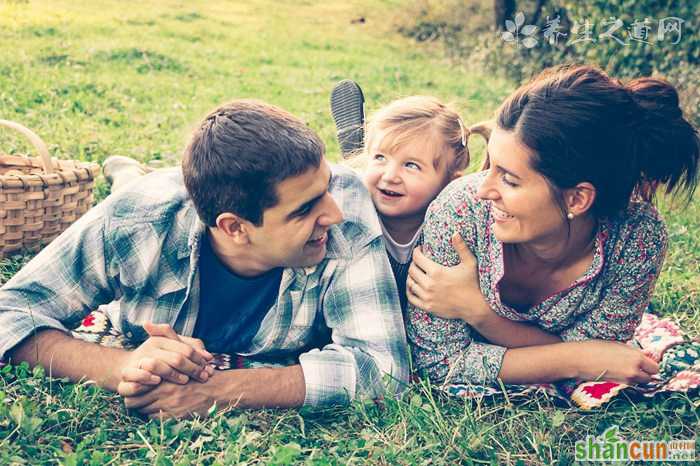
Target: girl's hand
{"type": "Point", "coordinates": [614, 361]}
{"type": "Point", "coordinates": [447, 292]}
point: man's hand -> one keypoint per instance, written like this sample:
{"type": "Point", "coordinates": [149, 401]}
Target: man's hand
{"type": "Point", "coordinates": [165, 356]}
{"type": "Point", "coordinates": [447, 292]}
{"type": "Point", "coordinates": [265, 387]}
{"type": "Point", "coordinates": [177, 401]}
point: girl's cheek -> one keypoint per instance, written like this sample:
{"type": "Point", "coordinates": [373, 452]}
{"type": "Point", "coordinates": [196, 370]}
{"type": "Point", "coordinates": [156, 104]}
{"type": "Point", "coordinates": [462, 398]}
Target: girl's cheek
{"type": "Point", "coordinates": [370, 178]}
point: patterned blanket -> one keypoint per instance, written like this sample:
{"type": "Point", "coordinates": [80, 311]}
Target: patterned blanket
{"type": "Point", "coordinates": [661, 339]}
{"type": "Point", "coordinates": [97, 328]}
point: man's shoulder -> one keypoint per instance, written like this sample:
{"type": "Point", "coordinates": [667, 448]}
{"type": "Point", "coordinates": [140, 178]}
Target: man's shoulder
{"type": "Point", "coordinates": [360, 223]}
{"type": "Point", "coordinates": [157, 196]}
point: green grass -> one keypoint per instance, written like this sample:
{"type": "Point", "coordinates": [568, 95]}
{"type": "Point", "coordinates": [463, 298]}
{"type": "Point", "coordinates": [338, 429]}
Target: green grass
{"type": "Point", "coordinates": [100, 78]}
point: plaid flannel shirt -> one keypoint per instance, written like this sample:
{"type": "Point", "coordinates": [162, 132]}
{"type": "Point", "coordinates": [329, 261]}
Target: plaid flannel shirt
{"type": "Point", "coordinates": [139, 251]}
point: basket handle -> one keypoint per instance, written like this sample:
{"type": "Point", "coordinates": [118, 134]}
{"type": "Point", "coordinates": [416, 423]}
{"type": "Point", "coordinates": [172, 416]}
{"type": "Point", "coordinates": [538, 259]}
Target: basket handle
{"type": "Point", "coordinates": [36, 142]}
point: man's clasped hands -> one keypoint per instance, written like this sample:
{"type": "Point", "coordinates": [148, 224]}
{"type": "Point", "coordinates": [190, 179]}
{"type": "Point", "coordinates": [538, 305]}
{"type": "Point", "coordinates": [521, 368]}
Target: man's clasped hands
{"type": "Point", "coordinates": [165, 371]}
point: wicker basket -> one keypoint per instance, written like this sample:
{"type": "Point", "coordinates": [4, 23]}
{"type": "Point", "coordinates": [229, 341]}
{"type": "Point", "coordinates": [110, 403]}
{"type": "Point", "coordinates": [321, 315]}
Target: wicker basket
{"type": "Point", "coordinates": [39, 198]}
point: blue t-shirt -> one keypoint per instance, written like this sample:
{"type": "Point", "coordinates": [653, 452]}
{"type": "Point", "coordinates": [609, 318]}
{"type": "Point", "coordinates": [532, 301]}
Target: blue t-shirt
{"type": "Point", "coordinates": [231, 307]}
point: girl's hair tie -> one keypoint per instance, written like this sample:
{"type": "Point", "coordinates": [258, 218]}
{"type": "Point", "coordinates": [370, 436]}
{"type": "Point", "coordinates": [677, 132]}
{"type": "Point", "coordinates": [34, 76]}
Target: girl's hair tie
{"type": "Point", "coordinates": [463, 131]}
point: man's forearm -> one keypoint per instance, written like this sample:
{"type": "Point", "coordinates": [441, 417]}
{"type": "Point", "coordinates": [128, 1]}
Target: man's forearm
{"type": "Point", "coordinates": [540, 364]}
{"type": "Point", "coordinates": [64, 356]}
{"type": "Point", "coordinates": [282, 387]}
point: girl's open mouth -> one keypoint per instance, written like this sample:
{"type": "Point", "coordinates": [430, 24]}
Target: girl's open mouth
{"type": "Point", "coordinates": [389, 193]}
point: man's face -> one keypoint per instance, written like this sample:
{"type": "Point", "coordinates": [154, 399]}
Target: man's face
{"type": "Point", "coordinates": [294, 232]}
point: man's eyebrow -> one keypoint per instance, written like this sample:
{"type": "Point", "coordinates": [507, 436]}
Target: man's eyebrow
{"type": "Point", "coordinates": [310, 203]}
{"type": "Point", "coordinates": [500, 168]}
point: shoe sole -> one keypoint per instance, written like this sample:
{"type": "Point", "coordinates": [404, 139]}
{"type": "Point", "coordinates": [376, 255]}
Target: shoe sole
{"type": "Point", "coordinates": [348, 112]}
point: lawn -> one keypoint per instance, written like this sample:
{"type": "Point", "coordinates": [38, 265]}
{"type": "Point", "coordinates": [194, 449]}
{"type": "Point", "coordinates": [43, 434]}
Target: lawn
{"type": "Point", "coordinates": [132, 78]}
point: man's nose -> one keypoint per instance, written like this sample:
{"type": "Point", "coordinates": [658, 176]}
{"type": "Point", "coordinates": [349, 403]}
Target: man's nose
{"type": "Point", "coordinates": [332, 215]}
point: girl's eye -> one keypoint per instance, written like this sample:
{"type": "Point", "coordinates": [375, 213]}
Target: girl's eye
{"type": "Point", "coordinates": [412, 165]}
{"type": "Point", "coordinates": [505, 180]}
{"type": "Point", "coordinates": [379, 157]}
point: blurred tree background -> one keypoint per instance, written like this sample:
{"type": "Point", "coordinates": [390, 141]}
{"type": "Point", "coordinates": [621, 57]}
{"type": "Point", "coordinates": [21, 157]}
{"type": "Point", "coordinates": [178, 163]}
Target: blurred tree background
{"type": "Point", "coordinates": [627, 38]}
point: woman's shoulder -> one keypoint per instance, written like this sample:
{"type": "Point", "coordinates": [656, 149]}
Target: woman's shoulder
{"type": "Point", "coordinates": [460, 194]}
{"type": "Point", "coordinates": [641, 217]}
{"type": "Point", "coordinates": [638, 233]}
{"type": "Point", "coordinates": [467, 184]}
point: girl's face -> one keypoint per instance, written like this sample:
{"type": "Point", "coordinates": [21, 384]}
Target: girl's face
{"type": "Point", "coordinates": [404, 180]}
{"type": "Point", "coordinates": [522, 204]}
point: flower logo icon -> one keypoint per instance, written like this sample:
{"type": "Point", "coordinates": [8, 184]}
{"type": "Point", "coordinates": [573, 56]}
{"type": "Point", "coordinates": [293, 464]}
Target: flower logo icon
{"type": "Point", "coordinates": [515, 28]}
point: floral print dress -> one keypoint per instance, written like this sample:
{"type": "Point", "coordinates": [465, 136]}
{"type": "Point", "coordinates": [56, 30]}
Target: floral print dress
{"type": "Point", "coordinates": [606, 302]}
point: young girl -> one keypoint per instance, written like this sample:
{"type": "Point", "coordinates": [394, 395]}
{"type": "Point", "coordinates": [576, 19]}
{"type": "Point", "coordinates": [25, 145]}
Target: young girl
{"type": "Point", "coordinates": [414, 147]}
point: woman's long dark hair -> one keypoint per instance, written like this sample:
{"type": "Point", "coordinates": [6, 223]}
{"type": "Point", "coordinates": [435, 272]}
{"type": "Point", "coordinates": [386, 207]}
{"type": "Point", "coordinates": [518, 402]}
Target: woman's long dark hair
{"type": "Point", "coordinates": [625, 139]}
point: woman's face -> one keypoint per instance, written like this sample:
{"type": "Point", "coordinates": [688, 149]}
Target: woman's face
{"type": "Point", "coordinates": [522, 203]}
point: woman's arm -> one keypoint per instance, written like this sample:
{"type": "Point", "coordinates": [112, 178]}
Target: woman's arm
{"type": "Point", "coordinates": [444, 351]}
{"type": "Point", "coordinates": [587, 360]}
{"type": "Point", "coordinates": [454, 293]}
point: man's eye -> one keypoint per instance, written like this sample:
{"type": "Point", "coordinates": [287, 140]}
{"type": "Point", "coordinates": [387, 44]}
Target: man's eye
{"type": "Point", "coordinates": [412, 166]}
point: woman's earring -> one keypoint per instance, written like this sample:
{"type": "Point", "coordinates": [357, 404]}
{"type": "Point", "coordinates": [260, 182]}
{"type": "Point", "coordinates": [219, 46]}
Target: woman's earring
{"type": "Point", "coordinates": [570, 216]}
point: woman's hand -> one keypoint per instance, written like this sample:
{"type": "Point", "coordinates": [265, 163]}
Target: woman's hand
{"type": "Point", "coordinates": [447, 292]}
{"type": "Point", "coordinates": [614, 361]}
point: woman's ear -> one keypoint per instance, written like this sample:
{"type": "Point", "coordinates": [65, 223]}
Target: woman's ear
{"type": "Point", "coordinates": [234, 227]}
{"type": "Point", "coordinates": [580, 198]}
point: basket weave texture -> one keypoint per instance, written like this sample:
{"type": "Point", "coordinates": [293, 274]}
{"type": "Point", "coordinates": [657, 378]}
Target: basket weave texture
{"type": "Point", "coordinates": [40, 197]}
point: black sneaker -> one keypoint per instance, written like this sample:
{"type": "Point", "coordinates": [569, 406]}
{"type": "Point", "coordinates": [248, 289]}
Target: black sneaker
{"type": "Point", "coordinates": [348, 111]}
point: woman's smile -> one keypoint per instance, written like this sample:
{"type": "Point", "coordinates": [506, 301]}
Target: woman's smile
{"type": "Point", "coordinates": [500, 215]}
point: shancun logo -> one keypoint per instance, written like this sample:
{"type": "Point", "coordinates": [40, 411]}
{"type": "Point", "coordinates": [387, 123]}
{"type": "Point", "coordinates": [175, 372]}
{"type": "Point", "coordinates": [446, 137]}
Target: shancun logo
{"type": "Point", "coordinates": [611, 447]}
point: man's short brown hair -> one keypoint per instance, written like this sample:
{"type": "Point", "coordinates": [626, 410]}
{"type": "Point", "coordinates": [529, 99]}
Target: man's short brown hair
{"type": "Point", "coordinates": [240, 153]}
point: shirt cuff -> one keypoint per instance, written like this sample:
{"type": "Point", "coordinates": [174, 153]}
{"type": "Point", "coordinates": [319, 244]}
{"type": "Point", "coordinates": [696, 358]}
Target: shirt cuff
{"type": "Point", "coordinates": [330, 377]}
{"type": "Point", "coordinates": [482, 363]}
{"type": "Point", "coordinates": [18, 326]}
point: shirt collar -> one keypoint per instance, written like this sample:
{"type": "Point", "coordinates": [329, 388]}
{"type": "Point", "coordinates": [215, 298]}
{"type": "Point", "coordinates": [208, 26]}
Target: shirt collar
{"type": "Point", "coordinates": [338, 246]}
{"type": "Point", "coordinates": [196, 229]}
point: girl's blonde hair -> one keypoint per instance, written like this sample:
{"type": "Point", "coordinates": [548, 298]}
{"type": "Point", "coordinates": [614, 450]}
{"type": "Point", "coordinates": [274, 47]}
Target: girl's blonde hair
{"type": "Point", "coordinates": [422, 116]}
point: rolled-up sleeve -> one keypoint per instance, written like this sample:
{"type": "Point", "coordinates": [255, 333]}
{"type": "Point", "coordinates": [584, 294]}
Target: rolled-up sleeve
{"type": "Point", "coordinates": [445, 351]}
{"type": "Point", "coordinates": [59, 286]}
{"type": "Point", "coordinates": [368, 354]}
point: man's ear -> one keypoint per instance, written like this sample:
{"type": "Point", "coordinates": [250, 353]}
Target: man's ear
{"type": "Point", "coordinates": [580, 198]}
{"type": "Point", "coordinates": [234, 227]}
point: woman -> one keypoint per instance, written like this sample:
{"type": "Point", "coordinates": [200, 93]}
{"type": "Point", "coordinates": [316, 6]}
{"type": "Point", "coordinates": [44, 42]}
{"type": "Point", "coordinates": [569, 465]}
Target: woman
{"type": "Point", "coordinates": [566, 243]}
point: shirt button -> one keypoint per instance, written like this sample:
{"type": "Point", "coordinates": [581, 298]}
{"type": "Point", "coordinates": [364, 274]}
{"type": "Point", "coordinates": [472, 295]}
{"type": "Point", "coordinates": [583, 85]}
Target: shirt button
{"type": "Point", "coordinates": [129, 334]}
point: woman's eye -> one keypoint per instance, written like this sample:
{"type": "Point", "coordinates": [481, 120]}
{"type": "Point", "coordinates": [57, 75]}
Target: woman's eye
{"type": "Point", "coordinates": [504, 177]}
{"type": "Point", "coordinates": [412, 165]}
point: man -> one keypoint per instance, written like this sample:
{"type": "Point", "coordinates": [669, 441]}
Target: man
{"type": "Point", "coordinates": [257, 247]}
